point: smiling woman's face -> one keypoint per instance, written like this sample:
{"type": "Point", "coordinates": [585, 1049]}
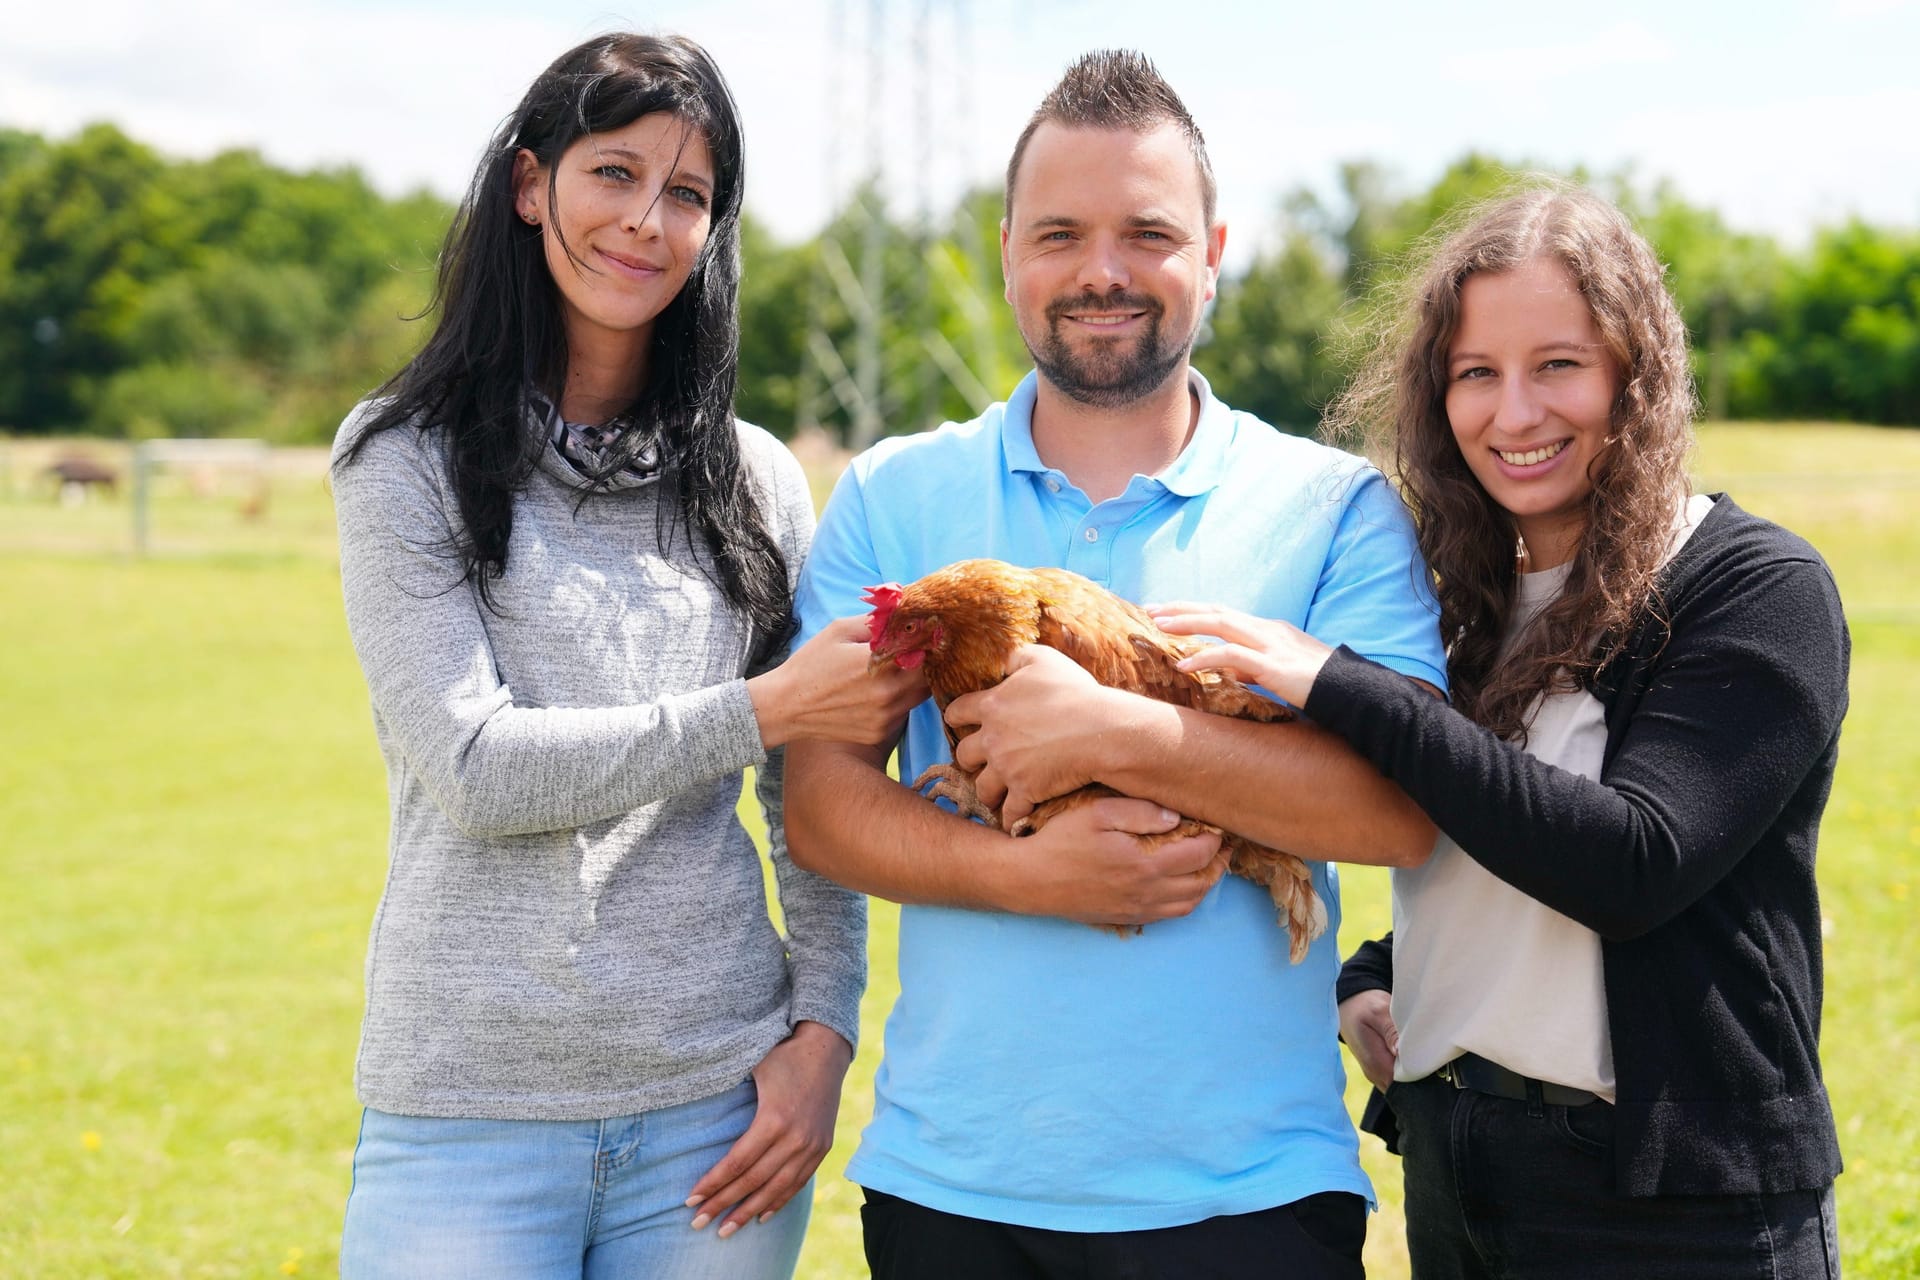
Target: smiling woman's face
{"type": "Point", "coordinates": [1530, 392]}
{"type": "Point", "coordinates": [635, 206]}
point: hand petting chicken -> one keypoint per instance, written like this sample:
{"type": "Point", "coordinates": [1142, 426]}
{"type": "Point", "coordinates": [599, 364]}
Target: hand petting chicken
{"type": "Point", "coordinates": [962, 625]}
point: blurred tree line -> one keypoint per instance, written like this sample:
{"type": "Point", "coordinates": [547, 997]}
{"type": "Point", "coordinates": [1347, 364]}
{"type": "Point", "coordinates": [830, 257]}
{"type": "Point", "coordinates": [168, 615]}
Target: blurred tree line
{"type": "Point", "coordinates": [142, 295]}
{"type": "Point", "coordinates": [1828, 331]}
{"type": "Point", "coordinates": [146, 296]}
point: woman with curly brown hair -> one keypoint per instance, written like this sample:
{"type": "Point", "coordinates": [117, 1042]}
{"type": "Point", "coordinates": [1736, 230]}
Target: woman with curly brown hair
{"type": "Point", "coordinates": [1600, 1048]}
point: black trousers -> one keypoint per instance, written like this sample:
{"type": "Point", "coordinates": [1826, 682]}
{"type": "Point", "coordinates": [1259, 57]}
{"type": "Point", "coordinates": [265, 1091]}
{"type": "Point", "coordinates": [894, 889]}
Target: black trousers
{"type": "Point", "coordinates": [1501, 1189]}
{"type": "Point", "coordinates": [1316, 1238]}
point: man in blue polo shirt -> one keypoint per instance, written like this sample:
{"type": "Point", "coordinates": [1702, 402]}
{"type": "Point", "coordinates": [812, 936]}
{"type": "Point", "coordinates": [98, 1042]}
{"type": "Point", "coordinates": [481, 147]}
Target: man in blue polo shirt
{"type": "Point", "coordinates": [1056, 1100]}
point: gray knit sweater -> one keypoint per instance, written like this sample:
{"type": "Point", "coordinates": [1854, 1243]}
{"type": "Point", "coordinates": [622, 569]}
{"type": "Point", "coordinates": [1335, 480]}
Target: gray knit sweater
{"type": "Point", "coordinates": [574, 924]}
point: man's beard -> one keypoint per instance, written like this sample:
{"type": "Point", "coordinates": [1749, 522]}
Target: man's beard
{"type": "Point", "coordinates": [1113, 373]}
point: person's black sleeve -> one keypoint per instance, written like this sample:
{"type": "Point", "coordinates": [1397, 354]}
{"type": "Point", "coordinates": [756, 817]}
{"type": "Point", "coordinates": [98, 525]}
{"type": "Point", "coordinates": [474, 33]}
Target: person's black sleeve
{"type": "Point", "coordinates": [1369, 968]}
{"type": "Point", "coordinates": [1740, 703]}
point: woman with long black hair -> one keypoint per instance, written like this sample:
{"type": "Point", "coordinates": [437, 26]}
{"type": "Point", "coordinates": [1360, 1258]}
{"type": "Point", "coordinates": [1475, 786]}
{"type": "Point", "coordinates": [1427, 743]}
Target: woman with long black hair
{"type": "Point", "coordinates": [587, 1051]}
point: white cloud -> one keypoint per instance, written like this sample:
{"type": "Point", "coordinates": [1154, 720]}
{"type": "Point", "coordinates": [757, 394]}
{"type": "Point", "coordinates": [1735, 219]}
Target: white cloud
{"type": "Point", "coordinates": [1857, 9]}
{"type": "Point", "coordinates": [1798, 120]}
{"type": "Point", "coordinates": [410, 97]}
{"type": "Point", "coordinates": [1625, 44]}
{"type": "Point", "coordinates": [1790, 164]}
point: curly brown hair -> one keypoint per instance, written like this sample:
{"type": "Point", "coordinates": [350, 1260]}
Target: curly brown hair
{"type": "Point", "coordinates": [1638, 478]}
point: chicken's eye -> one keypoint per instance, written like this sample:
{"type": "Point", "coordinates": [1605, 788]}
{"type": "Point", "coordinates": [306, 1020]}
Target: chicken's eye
{"type": "Point", "coordinates": [913, 624]}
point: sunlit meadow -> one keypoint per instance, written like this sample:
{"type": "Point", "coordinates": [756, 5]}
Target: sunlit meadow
{"type": "Point", "coordinates": [192, 841]}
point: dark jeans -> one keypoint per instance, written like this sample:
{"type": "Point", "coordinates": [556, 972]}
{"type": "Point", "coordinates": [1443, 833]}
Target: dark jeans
{"type": "Point", "coordinates": [1316, 1238]}
{"type": "Point", "coordinates": [1499, 1189]}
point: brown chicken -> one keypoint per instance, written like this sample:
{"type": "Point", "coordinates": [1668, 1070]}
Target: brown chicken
{"type": "Point", "coordinates": [963, 622]}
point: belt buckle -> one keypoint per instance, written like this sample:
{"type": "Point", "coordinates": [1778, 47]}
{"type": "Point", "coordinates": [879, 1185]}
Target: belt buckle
{"type": "Point", "coordinates": [1446, 1073]}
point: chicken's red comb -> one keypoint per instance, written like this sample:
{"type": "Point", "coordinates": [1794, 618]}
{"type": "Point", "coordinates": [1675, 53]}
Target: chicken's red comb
{"type": "Point", "coordinates": [884, 599]}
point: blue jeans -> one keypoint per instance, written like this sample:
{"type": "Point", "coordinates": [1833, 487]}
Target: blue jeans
{"type": "Point", "coordinates": [544, 1199]}
{"type": "Point", "coordinates": [1500, 1189]}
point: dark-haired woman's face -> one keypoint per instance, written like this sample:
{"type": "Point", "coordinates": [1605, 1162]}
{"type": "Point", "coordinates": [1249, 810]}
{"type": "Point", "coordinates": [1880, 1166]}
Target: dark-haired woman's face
{"type": "Point", "coordinates": [634, 207]}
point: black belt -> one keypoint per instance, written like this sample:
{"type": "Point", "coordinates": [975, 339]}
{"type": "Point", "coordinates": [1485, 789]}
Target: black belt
{"type": "Point", "coordinates": [1471, 1071]}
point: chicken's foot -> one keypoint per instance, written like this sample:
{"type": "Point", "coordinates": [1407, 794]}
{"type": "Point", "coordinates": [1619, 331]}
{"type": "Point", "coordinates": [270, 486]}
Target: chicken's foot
{"type": "Point", "coordinates": [951, 782]}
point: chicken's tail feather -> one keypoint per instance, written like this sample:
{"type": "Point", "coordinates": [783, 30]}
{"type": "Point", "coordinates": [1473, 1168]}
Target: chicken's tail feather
{"type": "Point", "coordinates": [1289, 882]}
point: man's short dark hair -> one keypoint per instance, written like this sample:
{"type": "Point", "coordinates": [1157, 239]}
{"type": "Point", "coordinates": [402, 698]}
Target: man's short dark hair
{"type": "Point", "coordinates": [1116, 89]}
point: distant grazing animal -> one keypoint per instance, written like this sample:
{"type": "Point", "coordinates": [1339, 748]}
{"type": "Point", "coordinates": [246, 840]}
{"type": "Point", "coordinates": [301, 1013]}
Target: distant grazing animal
{"type": "Point", "coordinates": [963, 623]}
{"type": "Point", "coordinates": [74, 473]}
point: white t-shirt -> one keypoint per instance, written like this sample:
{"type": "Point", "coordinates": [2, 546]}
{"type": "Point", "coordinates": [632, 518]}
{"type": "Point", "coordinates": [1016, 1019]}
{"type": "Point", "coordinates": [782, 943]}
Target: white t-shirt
{"type": "Point", "coordinates": [1480, 967]}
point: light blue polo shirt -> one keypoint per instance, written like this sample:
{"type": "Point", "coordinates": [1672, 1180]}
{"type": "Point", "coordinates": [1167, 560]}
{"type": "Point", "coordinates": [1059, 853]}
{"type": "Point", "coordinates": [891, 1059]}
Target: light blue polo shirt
{"type": "Point", "coordinates": [1045, 1073]}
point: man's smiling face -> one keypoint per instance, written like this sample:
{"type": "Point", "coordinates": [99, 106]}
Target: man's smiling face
{"type": "Point", "coordinates": [1108, 258]}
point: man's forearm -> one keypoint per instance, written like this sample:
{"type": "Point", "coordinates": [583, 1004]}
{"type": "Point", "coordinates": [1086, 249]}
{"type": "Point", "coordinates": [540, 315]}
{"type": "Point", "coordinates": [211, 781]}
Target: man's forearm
{"type": "Point", "coordinates": [1291, 786]}
{"type": "Point", "coordinates": [850, 822]}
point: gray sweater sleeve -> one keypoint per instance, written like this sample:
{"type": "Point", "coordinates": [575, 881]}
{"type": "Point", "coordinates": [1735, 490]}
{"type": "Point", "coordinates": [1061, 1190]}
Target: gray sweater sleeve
{"type": "Point", "coordinates": [493, 767]}
{"type": "Point", "coordinates": [826, 924]}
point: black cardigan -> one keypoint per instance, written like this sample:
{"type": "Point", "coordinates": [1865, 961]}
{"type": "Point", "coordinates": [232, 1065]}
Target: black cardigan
{"type": "Point", "coordinates": [1691, 856]}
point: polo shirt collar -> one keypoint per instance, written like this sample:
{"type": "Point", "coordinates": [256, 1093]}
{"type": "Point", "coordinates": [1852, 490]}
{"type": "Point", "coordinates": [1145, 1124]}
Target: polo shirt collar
{"type": "Point", "coordinates": [1199, 469]}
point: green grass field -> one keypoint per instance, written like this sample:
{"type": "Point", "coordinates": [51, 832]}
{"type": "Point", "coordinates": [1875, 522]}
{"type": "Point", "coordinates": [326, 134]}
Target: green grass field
{"type": "Point", "coordinates": [192, 841]}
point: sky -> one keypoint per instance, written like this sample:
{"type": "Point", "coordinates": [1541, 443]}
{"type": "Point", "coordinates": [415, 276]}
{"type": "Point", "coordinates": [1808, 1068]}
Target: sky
{"type": "Point", "coordinates": [1782, 116]}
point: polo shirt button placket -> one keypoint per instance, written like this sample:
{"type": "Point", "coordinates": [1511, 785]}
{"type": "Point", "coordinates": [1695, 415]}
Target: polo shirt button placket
{"type": "Point", "coordinates": [1092, 557]}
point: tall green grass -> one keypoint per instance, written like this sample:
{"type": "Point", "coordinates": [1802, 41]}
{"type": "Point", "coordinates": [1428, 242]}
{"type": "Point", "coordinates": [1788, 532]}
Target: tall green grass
{"type": "Point", "coordinates": [192, 840]}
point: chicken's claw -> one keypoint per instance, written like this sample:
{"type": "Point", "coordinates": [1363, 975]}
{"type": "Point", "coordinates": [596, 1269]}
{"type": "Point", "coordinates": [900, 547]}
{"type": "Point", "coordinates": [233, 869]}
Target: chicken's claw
{"type": "Point", "coordinates": [951, 782]}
